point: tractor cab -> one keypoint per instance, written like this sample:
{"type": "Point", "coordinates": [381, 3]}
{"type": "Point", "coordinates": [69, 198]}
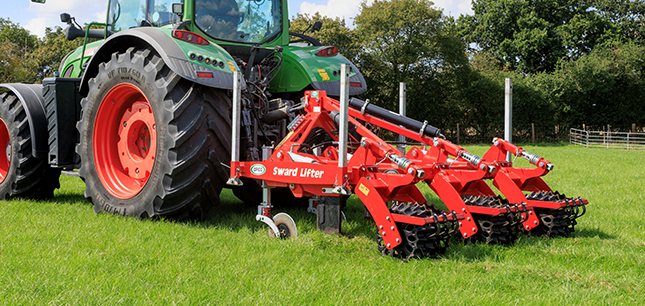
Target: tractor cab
{"type": "Point", "coordinates": [248, 21]}
{"type": "Point", "coordinates": [127, 14]}
{"type": "Point", "coordinates": [225, 21]}
{"type": "Point", "coordinates": [225, 35]}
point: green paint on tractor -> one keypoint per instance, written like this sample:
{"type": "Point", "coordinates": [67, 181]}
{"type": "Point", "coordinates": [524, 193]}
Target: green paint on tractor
{"type": "Point", "coordinates": [300, 67]}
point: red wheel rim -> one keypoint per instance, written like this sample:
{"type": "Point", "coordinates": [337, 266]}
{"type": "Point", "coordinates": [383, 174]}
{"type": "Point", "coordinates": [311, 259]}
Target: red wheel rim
{"type": "Point", "coordinates": [5, 159]}
{"type": "Point", "coordinates": [125, 141]}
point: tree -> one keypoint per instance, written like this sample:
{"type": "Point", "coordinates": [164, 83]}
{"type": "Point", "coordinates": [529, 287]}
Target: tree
{"type": "Point", "coordinates": [334, 32]}
{"type": "Point", "coordinates": [627, 18]}
{"type": "Point", "coordinates": [26, 58]}
{"type": "Point", "coordinates": [606, 86]}
{"type": "Point", "coordinates": [535, 35]}
{"type": "Point", "coordinates": [16, 48]}
{"type": "Point", "coordinates": [409, 41]}
{"type": "Point", "coordinates": [52, 49]}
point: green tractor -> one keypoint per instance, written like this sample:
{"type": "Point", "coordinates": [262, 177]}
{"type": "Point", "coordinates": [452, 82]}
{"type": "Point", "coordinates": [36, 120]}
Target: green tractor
{"type": "Point", "coordinates": [144, 112]}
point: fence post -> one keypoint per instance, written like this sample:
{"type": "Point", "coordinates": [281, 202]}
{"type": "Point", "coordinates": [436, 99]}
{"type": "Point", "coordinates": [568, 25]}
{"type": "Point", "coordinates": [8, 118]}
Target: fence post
{"type": "Point", "coordinates": [402, 102]}
{"type": "Point", "coordinates": [533, 132]}
{"type": "Point", "coordinates": [508, 114]}
{"type": "Point", "coordinates": [604, 137]}
{"type": "Point", "coordinates": [608, 135]}
{"type": "Point", "coordinates": [587, 132]}
{"type": "Point", "coordinates": [457, 133]}
{"type": "Point", "coordinates": [628, 140]}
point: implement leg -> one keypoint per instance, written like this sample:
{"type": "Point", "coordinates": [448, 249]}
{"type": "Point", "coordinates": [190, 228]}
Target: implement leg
{"type": "Point", "coordinates": [329, 215]}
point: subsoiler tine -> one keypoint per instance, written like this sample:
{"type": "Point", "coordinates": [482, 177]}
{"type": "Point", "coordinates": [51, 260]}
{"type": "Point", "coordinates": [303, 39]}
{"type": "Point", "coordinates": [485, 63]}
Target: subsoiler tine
{"type": "Point", "coordinates": [437, 225]}
{"type": "Point", "coordinates": [584, 210]}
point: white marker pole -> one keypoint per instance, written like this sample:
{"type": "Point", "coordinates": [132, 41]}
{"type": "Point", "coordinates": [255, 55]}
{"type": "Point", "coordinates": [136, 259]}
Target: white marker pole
{"type": "Point", "coordinates": [508, 115]}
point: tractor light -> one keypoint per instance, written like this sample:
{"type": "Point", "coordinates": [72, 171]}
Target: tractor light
{"type": "Point", "coordinates": [190, 37]}
{"type": "Point", "coordinates": [327, 52]}
{"type": "Point", "coordinates": [205, 75]}
{"type": "Point", "coordinates": [355, 85]}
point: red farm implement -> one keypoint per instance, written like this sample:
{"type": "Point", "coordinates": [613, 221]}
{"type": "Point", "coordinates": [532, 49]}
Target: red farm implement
{"type": "Point", "coordinates": [557, 214]}
{"type": "Point", "coordinates": [329, 153]}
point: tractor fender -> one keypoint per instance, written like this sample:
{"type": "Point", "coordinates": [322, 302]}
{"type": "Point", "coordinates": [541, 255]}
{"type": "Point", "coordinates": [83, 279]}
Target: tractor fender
{"type": "Point", "coordinates": [302, 69]}
{"type": "Point", "coordinates": [165, 46]}
{"type": "Point", "coordinates": [31, 98]}
{"type": "Point", "coordinates": [333, 87]}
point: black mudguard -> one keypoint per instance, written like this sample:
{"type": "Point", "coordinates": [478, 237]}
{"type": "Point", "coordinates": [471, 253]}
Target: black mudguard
{"type": "Point", "coordinates": [31, 98]}
{"type": "Point", "coordinates": [165, 46]}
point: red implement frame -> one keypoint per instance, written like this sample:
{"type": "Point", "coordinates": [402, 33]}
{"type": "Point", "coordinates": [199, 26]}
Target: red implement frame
{"type": "Point", "coordinates": [370, 172]}
{"type": "Point", "coordinates": [464, 174]}
{"type": "Point", "coordinates": [511, 181]}
{"type": "Point", "coordinates": [377, 173]}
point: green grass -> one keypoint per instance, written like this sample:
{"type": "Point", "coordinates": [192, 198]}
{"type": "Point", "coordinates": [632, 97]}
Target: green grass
{"type": "Point", "coordinates": [59, 252]}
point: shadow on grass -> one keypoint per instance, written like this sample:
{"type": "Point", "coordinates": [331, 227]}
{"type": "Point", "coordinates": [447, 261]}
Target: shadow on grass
{"type": "Point", "coordinates": [233, 215]}
{"type": "Point", "coordinates": [477, 252]}
{"type": "Point", "coordinates": [591, 233]}
{"type": "Point", "coordinates": [68, 198]}
{"type": "Point", "coordinates": [480, 252]}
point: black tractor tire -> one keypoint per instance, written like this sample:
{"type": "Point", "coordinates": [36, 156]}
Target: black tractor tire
{"type": "Point", "coordinates": [27, 176]}
{"type": "Point", "coordinates": [193, 132]}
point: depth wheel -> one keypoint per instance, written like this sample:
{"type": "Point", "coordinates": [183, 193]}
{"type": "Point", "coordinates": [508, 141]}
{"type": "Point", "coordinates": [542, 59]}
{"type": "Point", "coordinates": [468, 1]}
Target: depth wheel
{"type": "Point", "coordinates": [152, 143]}
{"type": "Point", "coordinates": [286, 226]}
{"type": "Point", "coordinates": [21, 174]}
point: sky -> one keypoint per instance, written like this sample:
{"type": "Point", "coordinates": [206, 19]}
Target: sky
{"type": "Point", "coordinates": [35, 17]}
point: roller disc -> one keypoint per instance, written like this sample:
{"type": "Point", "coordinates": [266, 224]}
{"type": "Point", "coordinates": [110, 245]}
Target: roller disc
{"type": "Point", "coordinates": [286, 226]}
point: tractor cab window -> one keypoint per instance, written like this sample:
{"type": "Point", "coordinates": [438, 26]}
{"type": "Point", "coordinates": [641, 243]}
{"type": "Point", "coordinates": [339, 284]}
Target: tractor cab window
{"type": "Point", "coordinates": [126, 14]}
{"type": "Point", "coordinates": [252, 21]}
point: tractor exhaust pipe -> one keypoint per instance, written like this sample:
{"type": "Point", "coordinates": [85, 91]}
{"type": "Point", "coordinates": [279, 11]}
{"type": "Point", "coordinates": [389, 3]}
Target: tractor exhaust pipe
{"type": "Point", "coordinates": [421, 127]}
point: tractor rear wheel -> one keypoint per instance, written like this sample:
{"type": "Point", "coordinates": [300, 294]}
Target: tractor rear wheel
{"type": "Point", "coordinates": [21, 174]}
{"type": "Point", "coordinates": [152, 143]}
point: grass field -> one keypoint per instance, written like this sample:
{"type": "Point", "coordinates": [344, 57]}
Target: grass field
{"type": "Point", "coordinates": [59, 252]}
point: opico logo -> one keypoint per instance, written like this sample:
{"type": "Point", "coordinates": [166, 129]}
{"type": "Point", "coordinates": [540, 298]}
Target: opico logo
{"type": "Point", "coordinates": [258, 169]}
